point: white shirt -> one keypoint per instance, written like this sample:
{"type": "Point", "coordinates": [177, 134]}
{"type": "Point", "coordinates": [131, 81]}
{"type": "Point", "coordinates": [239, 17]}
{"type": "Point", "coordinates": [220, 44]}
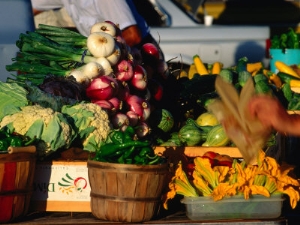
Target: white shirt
{"type": "Point", "coordinates": [85, 13]}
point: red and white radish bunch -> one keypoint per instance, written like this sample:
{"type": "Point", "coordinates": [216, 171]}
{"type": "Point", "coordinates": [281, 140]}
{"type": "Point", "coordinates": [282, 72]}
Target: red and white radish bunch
{"type": "Point", "coordinates": [125, 81]}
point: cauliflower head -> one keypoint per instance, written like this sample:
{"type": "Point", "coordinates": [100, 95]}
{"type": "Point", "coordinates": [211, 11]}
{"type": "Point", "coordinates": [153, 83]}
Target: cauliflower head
{"type": "Point", "coordinates": [92, 123]}
{"type": "Point", "coordinates": [44, 124]}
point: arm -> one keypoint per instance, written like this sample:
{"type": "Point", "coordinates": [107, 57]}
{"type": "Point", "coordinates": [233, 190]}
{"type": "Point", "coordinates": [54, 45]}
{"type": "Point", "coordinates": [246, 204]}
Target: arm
{"type": "Point", "coordinates": [273, 115]}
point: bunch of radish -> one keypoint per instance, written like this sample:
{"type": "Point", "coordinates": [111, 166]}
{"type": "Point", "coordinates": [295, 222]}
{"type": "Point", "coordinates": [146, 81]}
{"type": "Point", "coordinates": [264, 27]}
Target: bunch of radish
{"type": "Point", "coordinates": [122, 79]}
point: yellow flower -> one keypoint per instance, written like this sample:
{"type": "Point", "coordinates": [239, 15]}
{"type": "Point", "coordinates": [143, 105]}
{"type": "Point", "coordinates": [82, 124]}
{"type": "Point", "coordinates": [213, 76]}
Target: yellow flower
{"type": "Point", "coordinates": [201, 184]}
{"type": "Point", "coordinates": [179, 185]}
{"type": "Point", "coordinates": [222, 190]}
{"type": "Point", "coordinates": [203, 166]}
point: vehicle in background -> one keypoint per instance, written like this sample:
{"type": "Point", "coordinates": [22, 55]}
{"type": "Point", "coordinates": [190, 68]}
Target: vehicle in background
{"type": "Point", "coordinates": [181, 35]}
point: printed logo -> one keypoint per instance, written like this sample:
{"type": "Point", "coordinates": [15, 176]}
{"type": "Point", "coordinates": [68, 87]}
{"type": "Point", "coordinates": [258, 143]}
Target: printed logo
{"type": "Point", "coordinates": [68, 184]}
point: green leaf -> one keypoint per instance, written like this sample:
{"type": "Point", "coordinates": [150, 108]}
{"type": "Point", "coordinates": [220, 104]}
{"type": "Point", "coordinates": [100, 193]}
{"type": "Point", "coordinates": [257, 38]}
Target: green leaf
{"type": "Point", "coordinates": [12, 97]}
{"type": "Point", "coordinates": [36, 129]}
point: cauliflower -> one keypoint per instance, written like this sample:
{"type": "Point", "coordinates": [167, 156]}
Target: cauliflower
{"type": "Point", "coordinates": [92, 123]}
{"type": "Point", "coordinates": [50, 127]}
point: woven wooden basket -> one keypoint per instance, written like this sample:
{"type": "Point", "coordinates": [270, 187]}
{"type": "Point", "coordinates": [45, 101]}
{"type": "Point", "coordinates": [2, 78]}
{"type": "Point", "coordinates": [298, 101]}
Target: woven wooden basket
{"type": "Point", "coordinates": [126, 193]}
{"type": "Point", "coordinates": [16, 184]}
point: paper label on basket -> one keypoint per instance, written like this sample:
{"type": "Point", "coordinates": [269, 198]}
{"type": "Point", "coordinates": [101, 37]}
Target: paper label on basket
{"type": "Point", "coordinates": [231, 110]}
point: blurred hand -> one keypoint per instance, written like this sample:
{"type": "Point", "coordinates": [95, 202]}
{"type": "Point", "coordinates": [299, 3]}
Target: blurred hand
{"type": "Point", "coordinates": [271, 113]}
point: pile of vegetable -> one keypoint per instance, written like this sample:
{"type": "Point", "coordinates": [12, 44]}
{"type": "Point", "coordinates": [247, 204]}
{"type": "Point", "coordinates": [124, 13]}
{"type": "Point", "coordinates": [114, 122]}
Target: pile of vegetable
{"type": "Point", "coordinates": [237, 178]}
{"type": "Point", "coordinates": [93, 86]}
{"type": "Point", "coordinates": [81, 88]}
{"type": "Point", "coordinates": [287, 40]}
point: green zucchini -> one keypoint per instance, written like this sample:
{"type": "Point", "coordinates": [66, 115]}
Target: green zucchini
{"type": "Point", "coordinates": [243, 76]}
{"type": "Point", "coordinates": [262, 87]}
{"type": "Point", "coordinates": [259, 77]}
{"type": "Point", "coordinates": [286, 78]}
{"type": "Point", "coordinates": [227, 75]}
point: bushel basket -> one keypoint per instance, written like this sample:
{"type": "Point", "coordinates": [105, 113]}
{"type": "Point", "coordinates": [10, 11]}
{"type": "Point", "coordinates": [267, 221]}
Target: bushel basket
{"type": "Point", "coordinates": [16, 184]}
{"type": "Point", "coordinates": [126, 193]}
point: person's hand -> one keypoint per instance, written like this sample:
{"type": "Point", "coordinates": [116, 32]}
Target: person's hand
{"type": "Point", "coordinates": [132, 35]}
{"type": "Point", "coordinates": [271, 113]}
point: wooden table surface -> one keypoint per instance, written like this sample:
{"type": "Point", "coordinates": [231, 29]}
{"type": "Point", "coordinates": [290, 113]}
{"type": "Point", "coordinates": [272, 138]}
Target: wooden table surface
{"type": "Point", "coordinates": [48, 218]}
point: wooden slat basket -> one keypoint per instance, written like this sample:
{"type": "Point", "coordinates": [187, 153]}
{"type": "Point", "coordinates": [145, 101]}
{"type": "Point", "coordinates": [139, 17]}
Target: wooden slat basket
{"type": "Point", "coordinates": [16, 184]}
{"type": "Point", "coordinates": [126, 193]}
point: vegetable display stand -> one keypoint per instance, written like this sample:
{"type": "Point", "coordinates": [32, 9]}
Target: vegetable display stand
{"type": "Point", "coordinates": [126, 192]}
{"type": "Point", "coordinates": [16, 184]}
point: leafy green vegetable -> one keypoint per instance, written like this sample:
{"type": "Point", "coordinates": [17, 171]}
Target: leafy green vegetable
{"type": "Point", "coordinates": [12, 97]}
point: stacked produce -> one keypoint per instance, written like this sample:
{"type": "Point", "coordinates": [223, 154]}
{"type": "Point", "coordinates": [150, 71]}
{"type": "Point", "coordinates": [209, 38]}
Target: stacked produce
{"type": "Point", "coordinates": [96, 85]}
{"type": "Point", "coordinates": [81, 88]}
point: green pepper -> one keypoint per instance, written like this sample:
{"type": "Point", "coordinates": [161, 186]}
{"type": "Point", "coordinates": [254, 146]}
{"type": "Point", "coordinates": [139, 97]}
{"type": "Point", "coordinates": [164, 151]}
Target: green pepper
{"type": "Point", "coordinates": [155, 160]}
{"type": "Point", "coordinates": [283, 40]}
{"type": "Point", "coordinates": [275, 42]}
{"type": "Point", "coordinates": [292, 39]}
{"type": "Point", "coordinates": [140, 160]}
{"type": "Point", "coordinates": [117, 137]}
{"type": "Point", "coordinates": [111, 148]}
{"type": "Point", "coordinates": [4, 144]}
{"type": "Point", "coordinates": [145, 151]}
{"type": "Point", "coordinates": [15, 141]}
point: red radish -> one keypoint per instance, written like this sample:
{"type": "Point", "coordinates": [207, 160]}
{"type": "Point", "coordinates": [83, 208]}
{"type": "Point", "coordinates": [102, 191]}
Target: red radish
{"type": "Point", "coordinates": [124, 70]}
{"type": "Point", "coordinates": [138, 105]}
{"type": "Point", "coordinates": [104, 104]}
{"type": "Point", "coordinates": [120, 121]}
{"type": "Point", "coordinates": [102, 88]}
{"type": "Point", "coordinates": [133, 118]}
{"type": "Point", "coordinates": [150, 51]}
{"type": "Point", "coordinates": [139, 80]}
{"type": "Point", "coordinates": [156, 89]}
{"type": "Point", "coordinates": [142, 129]}
{"type": "Point", "coordinates": [117, 103]}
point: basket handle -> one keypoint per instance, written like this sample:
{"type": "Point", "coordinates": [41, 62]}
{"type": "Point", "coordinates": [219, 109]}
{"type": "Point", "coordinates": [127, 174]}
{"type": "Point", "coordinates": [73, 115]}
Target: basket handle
{"type": "Point", "coordinates": [28, 149]}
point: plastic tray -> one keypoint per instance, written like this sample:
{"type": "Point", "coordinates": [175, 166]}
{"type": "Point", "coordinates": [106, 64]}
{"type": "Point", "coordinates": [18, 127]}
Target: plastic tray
{"type": "Point", "coordinates": [236, 207]}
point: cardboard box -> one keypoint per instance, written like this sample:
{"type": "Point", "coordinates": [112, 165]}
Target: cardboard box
{"type": "Point", "coordinates": [61, 186]}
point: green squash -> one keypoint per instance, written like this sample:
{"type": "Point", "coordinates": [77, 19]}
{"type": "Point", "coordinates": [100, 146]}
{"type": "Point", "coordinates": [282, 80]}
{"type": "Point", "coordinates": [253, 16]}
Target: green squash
{"type": "Point", "coordinates": [216, 137]}
{"type": "Point", "coordinates": [162, 119]}
{"type": "Point", "coordinates": [190, 135]}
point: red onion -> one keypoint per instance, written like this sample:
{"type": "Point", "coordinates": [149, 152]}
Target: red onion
{"type": "Point", "coordinates": [104, 104]}
{"type": "Point", "coordinates": [151, 50]}
{"type": "Point", "coordinates": [120, 121]}
{"type": "Point", "coordinates": [139, 79]}
{"type": "Point", "coordinates": [133, 118]}
{"type": "Point", "coordinates": [117, 103]}
{"type": "Point", "coordinates": [124, 70]}
{"type": "Point", "coordinates": [142, 129]}
{"type": "Point", "coordinates": [123, 90]}
{"type": "Point", "coordinates": [102, 88]}
{"type": "Point", "coordinates": [138, 105]}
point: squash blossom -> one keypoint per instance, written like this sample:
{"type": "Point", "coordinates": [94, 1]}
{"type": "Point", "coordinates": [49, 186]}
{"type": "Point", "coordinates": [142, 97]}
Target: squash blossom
{"type": "Point", "coordinates": [265, 178]}
{"type": "Point", "coordinates": [179, 184]}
